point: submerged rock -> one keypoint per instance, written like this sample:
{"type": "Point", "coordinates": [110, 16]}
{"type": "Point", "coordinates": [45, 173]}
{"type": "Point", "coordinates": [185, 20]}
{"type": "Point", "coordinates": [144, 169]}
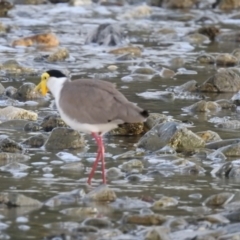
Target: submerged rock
{"type": "Point", "coordinates": [224, 81]}
{"type": "Point", "coordinates": [101, 194]}
{"type": "Point", "coordinates": [35, 141]}
{"type": "Point", "coordinates": [172, 134]}
{"type": "Point", "coordinates": [98, 222]}
{"type": "Point", "coordinates": [203, 106]}
{"type": "Point", "coordinates": [14, 67]}
{"type": "Point", "coordinates": [106, 34]}
{"type": "Point", "coordinates": [113, 173]}
{"type": "Point", "coordinates": [10, 113]}
{"type": "Point", "coordinates": [135, 51]}
{"type": "Point", "coordinates": [52, 121]}
{"type": "Point", "coordinates": [218, 200]}
{"type": "Point", "coordinates": [164, 202]}
{"type": "Point", "coordinates": [226, 60]}
{"type": "Point", "coordinates": [5, 6]}
{"type": "Point", "coordinates": [132, 165]}
{"type": "Point", "coordinates": [128, 129]}
{"type": "Point", "coordinates": [206, 59]}
{"type": "Point", "coordinates": [148, 220]}
{"type": "Point", "coordinates": [8, 145]}
{"type": "Point", "coordinates": [6, 157]}
{"type": "Point", "coordinates": [44, 39]}
{"type": "Point", "coordinates": [64, 138]}
{"type": "Point", "coordinates": [59, 55]}
{"type": "Point", "coordinates": [18, 200]}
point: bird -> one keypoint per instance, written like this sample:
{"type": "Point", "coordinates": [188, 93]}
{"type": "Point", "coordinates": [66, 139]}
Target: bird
{"type": "Point", "coordinates": [91, 106]}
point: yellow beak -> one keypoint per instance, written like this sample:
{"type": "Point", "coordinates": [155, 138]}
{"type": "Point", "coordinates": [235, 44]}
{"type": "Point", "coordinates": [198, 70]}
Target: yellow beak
{"type": "Point", "coordinates": [42, 86]}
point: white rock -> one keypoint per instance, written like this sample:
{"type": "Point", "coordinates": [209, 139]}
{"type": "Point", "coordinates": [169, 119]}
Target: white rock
{"type": "Point", "coordinates": [10, 113]}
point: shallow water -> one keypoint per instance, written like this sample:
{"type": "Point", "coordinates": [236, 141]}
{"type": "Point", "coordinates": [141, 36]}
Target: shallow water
{"type": "Point", "coordinates": [45, 178]}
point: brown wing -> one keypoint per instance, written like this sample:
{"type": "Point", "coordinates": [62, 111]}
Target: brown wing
{"type": "Point", "coordinates": [96, 102]}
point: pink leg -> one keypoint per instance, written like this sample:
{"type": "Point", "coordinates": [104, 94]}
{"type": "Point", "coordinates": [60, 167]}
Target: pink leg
{"type": "Point", "coordinates": [102, 149]}
{"type": "Point", "coordinates": [99, 156]}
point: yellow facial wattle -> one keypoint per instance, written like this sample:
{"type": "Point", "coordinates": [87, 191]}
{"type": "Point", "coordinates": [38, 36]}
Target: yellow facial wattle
{"type": "Point", "coordinates": [42, 86]}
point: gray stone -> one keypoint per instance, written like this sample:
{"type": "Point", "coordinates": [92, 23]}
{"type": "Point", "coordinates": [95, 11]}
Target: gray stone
{"type": "Point", "coordinates": [219, 199]}
{"type": "Point", "coordinates": [8, 145]}
{"type": "Point", "coordinates": [52, 121]}
{"type": "Point", "coordinates": [35, 141]}
{"type": "Point", "coordinates": [32, 127]}
{"type": "Point", "coordinates": [64, 138]}
{"type": "Point", "coordinates": [26, 91]}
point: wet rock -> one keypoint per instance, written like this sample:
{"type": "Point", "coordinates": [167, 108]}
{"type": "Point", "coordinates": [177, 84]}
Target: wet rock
{"type": "Point", "coordinates": [6, 158]}
{"type": "Point", "coordinates": [178, 4]}
{"type": "Point", "coordinates": [74, 166]}
{"type": "Point", "coordinates": [229, 124]}
{"type": "Point", "coordinates": [164, 202]}
{"type": "Point", "coordinates": [177, 62]}
{"type": "Point", "coordinates": [223, 171]}
{"type": "Point", "coordinates": [32, 127]}
{"type": "Point", "coordinates": [226, 104]}
{"type": "Point", "coordinates": [218, 200]}
{"type": "Point", "coordinates": [10, 92]}
{"type": "Point", "coordinates": [216, 218]}
{"type": "Point", "coordinates": [14, 167]}
{"type": "Point", "coordinates": [193, 170]}
{"type": "Point", "coordinates": [59, 55]}
{"type": "Point", "coordinates": [129, 155]}
{"type": "Point", "coordinates": [167, 73]}
{"type": "Point", "coordinates": [232, 150]}
{"type": "Point", "coordinates": [236, 98]}
{"type": "Point", "coordinates": [148, 220]}
{"type": "Point", "coordinates": [35, 141]}
{"type": "Point", "coordinates": [227, 5]}
{"type": "Point", "coordinates": [126, 204]}
{"type": "Point", "coordinates": [154, 119]}
{"type": "Point", "coordinates": [203, 106]}
{"type": "Point", "coordinates": [138, 12]}
{"type": "Point", "coordinates": [5, 6]}
{"type": "Point", "coordinates": [66, 199]}
{"type": "Point", "coordinates": [101, 194]}
{"type": "Point", "coordinates": [232, 236]}
{"type": "Point", "coordinates": [52, 121]}
{"type": "Point", "coordinates": [26, 91]}
{"type": "Point", "coordinates": [224, 81]}
{"type": "Point", "coordinates": [45, 39]}
{"type": "Point", "coordinates": [113, 173]}
{"type": "Point", "coordinates": [226, 60]}
{"type": "Point", "coordinates": [234, 172]}
{"type": "Point", "coordinates": [8, 145]}
{"type": "Point", "coordinates": [209, 136]}
{"type": "Point", "coordinates": [84, 230]}
{"type": "Point", "coordinates": [206, 59]}
{"type": "Point", "coordinates": [132, 165]}
{"type": "Point", "coordinates": [64, 138]}
{"type": "Point", "coordinates": [232, 206]}
{"type": "Point", "coordinates": [189, 86]}
{"type": "Point", "coordinates": [134, 51]}
{"type": "Point", "coordinates": [144, 70]}
{"type": "Point", "coordinates": [74, 212]}
{"type": "Point", "coordinates": [18, 200]}
{"type": "Point", "coordinates": [14, 67]}
{"type": "Point", "coordinates": [106, 34]}
{"type": "Point", "coordinates": [127, 129]}
{"type": "Point", "coordinates": [157, 233]}
{"type": "Point", "coordinates": [177, 224]}
{"type": "Point", "coordinates": [10, 113]}
{"type": "Point", "coordinates": [171, 134]}
{"type": "Point", "coordinates": [222, 143]}
{"type": "Point", "coordinates": [197, 38]}
{"type": "Point", "coordinates": [78, 2]}
{"type": "Point", "coordinates": [210, 31]}
{"type": "Point", "coordinates": [98, 222]}
{"type": "Point", "coordinates": [110, 233]}
{"type": "Point", "coordinates": [2, 89]}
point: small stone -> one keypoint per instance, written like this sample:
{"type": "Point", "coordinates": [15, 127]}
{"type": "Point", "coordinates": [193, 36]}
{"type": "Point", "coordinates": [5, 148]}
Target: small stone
{"type": "Point", "coordinates": [5, 6]}
{"type": "Point", "coordinates": [197, 38]}
{"type": "Point", "coordinates": [216, 218]}
{"type": "Point", "coordinates": [209, 136]}
{"type": "Point", "coordinates": [59, 55]}
{"type": "Point", "coordinates": [65, 138]}
{"type": "Point", "coordinates": [32, 127]}
{"type": "Point", "coordinates": [135, 51]}
{"type": "Point", "coordinates": [154, 119]}
{"type": "Point", "coordinates": [167, 73]}
{"type": "Point", "coordinates": [131, 165]}
{"type": "Point", "coordinates": [236, 53]}
{"type": "Point", "coordinates": [113, 173]}
{"type": "Point", "coordinates": [10, 112]}
{"type": "Point", "coordinates": [190, 86]}
{"type": "Point", "coordinates": [203, 106]}
{"type": "Point", "coordinates": [226, 60]}
{"type": "Point", "coordinates": [10, 92]}
{"type": "Point", "coordinates": [148, 220]}
{"type": "Point", "coordinates": [18, 200]}
{"type": "Point", "coordinates": [14, 167]}
{"type": "Point", "coordinates": [144, 70]}
{"type": "Point", "coordinates": [177, 62]}
{"type": "Point", "coordinates": [98, 222]}
{"type": "Point", "coordinates": [106, 34]}
{"type": "Point", "coordinates": [158, 233]}
{"type": "Point", "coordinates": [210, 31]}
{"type": "Point", "coordinates": [138, 12]}
{"type": "Point", "coordinates": [45, 39]}
{"type": "Point", "coordinates": [74, 166]}
{"type": "Point", "coordinates": [6, 158]}
{"type": "Point", "coordinates": [164, 202]}
{"type": "Point", "coordinates": [52, 121]}
{"type": "Point", "coordinates": [128, 129]}
{"type": "Point", "coordinates": [206, 59]}
{"type": "Point", "coordinates": [35, 141]}
{"type": "Point", "coordinates": [14, 67]}
{"type": "Point", "coordinates": [218, 200]}
{"type": "Point", "coordinates": [74, 212]}
{"type": "Point", "coordinates": [232, 150]}
{"type": "Point", "coordinates": [112, 67]}
{"type": "Point", "coordinates": [101, 194]}
{"type": "Point", "coordinates": [8, 145]}
{"type": "Point", "coordinates": [26, 91]}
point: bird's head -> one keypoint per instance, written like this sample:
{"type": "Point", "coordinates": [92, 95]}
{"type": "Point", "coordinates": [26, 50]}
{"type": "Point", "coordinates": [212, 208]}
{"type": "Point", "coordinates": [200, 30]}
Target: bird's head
{"type": "Point", "coordinates": [45, 77]}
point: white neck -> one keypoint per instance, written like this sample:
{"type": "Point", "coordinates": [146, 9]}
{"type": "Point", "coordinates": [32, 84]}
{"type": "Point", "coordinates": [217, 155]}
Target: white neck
{"type": "Point", "coordinates": [55, 86]}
